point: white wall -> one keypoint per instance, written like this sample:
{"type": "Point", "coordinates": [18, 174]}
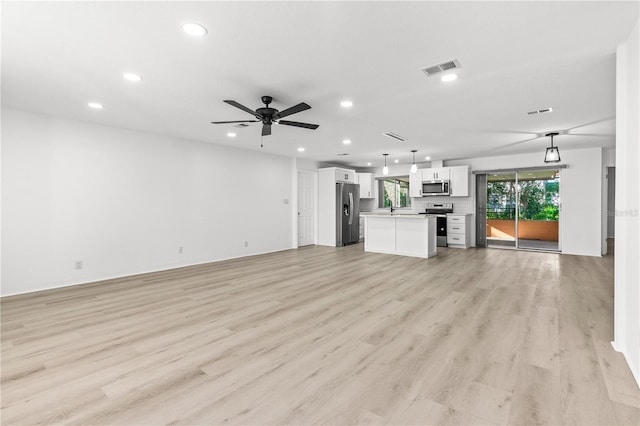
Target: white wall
{"type": "Point", "coordinates": [124, 201]}
{"type": "Point", "coordinates": [627, 232]}
{"type": "Point", "coordinates": [581, 198]}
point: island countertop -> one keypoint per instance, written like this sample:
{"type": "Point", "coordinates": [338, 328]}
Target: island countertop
{"type": "Point", "coordinates": [400, 215]}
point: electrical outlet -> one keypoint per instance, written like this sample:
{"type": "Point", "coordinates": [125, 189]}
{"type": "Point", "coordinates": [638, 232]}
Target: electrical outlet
{"type": "Point", "coordinates": [286, 201]}
{"type": "Point", "coordinates": [78, 264]}
{"type": "Point", "coordinates": [246, 243]}
{"type": "Point", "coordinates": [180, 250]}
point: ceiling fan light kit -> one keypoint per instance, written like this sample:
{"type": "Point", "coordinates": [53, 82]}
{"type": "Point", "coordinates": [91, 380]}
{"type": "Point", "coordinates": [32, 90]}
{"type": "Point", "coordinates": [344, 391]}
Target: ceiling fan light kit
{"type": "Point", "coordinates": [268, 115]}
{"type": "Point", "coordinates": [552, 154]}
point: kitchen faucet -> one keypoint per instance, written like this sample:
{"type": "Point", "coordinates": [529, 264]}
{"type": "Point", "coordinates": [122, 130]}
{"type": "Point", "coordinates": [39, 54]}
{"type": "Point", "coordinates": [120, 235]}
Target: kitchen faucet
{"type": "Point", "coordinates": [391, 203]}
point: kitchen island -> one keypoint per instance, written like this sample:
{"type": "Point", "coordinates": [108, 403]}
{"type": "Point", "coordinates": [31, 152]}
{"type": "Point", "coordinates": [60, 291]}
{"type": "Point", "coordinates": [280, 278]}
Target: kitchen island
{"type": "Point", "coordinates": [401, 234]}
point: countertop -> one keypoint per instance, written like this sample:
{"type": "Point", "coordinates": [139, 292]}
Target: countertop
{"type": "Point", "coordinates": [386, 212]}
{"type": "Point", "coordinates": [401, 215]}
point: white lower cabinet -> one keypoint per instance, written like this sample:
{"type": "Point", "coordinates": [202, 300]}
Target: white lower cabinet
{"type": "Point", "coordinates": [458, 230]}
{"type": "Point", "coordinates": [405, 235]}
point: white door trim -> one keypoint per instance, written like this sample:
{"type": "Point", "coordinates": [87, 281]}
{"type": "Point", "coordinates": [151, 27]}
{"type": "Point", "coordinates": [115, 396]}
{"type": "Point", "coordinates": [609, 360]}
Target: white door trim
{"type": "Point", "coordinates": [306, 208]}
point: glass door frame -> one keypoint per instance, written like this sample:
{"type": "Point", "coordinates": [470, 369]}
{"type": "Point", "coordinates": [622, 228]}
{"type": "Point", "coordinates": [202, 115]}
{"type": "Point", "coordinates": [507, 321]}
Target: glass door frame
{"type": "Point", "coordinates": [514, 201]}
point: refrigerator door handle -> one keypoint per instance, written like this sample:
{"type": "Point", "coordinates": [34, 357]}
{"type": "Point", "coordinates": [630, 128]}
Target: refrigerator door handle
{"type": "Point", "coordinates": [350, 208]}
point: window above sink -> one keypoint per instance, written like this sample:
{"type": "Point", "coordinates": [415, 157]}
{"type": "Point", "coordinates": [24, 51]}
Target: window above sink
{"type": "Point", "coordinates": [394, 191]}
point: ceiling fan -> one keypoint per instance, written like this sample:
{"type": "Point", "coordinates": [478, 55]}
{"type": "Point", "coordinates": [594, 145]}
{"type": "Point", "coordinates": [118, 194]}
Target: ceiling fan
{"type": "Point", "coordinates": [268, 116]}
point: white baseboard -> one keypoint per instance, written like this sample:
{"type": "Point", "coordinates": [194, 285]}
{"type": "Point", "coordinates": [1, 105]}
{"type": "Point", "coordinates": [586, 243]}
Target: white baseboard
{"type": "Point", "coordinates": [146, 271]}
{"type": "Point", "coordinates": [634, 372]}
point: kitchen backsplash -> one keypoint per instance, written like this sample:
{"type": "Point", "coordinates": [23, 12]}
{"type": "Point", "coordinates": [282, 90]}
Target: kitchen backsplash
{"type": "Point", "coordinates": [460, 204]}
{"type": "Point", "coordinates": [367, 204]}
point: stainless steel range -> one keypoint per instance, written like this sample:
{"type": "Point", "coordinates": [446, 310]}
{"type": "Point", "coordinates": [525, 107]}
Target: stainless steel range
{"type": "Point", "coordinates": [441, 210]}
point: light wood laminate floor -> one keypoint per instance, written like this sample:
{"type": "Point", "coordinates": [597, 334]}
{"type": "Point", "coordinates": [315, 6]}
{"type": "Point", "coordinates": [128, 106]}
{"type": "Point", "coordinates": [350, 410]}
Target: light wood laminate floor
{"type": "Point", "coordinates": [325, 336]}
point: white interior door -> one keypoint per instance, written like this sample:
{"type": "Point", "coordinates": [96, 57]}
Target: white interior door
{"type": "Point", "coordinates": [306, 208]}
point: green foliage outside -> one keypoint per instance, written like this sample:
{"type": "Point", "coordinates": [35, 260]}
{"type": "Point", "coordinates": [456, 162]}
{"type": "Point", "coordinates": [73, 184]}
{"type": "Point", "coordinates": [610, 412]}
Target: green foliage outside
{"type": "Point", "coordinates": [387, 199]}
{"type": "Point", "coordinates": [539, 200]}
{"type": "Point", "coordinates": [397, 192]}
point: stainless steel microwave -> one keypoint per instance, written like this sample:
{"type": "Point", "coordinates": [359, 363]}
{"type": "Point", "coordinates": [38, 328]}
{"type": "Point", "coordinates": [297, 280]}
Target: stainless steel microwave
{"type": "Point", "coordinates": [435, 187]}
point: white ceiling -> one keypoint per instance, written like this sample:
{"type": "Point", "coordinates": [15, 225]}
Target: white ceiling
{"type": "Point", "coordinates": [515, 57]}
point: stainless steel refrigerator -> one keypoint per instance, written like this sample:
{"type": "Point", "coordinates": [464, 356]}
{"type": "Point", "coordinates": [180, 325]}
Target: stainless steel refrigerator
{"type": "Point", "coordinates": [348, 214]}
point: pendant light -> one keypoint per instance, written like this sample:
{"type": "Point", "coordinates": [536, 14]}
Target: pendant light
{"type": "Point", "coordinates": [414, 166]}
{"type": "Point", "coordinates": [385, 169]}
{"type": "Point", "coordinates": [552, 155]}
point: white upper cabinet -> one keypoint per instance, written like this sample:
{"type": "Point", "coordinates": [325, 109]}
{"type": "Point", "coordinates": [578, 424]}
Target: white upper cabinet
{"type": "Point", "coordinates": [415, 184]}
{"type": "Point", "coordinates": [366, 184]}
{"type": "Point", "coordinates": [459, 181]}
{"type": "Point", "coordinates": [344, 175]}
{"type": "Point", "coordinates": [441, 173]}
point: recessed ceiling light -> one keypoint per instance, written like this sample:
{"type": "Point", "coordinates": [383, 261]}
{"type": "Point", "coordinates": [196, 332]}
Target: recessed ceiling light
{"type": "Point", "coordinates": [95, 105]}
{"type": "Point", "coordinates": [131, 76]}
{"type": "Point", "coordinates": [300, 149]}
{"type": "Point", "coordinates": [427, 158]}
{"type": "Point", "coordinates": [231, 135]}
{"type": "Point", "coordinates": [346, 104]}
{"type": "Point", "coordinates": [449, 77]}
{"type": "Point", "coordinates": [395, 161]}
{"type": "Point", "coordinates": [346, 141]}
{"type": "Point", "coordinates": [194, 29]}
{"type": "Point", "coordinates": [368, 164]}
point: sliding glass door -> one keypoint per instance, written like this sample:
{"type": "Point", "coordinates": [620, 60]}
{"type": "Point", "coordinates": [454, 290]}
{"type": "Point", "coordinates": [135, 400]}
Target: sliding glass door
{"type": "Point", "coordinates": [523, 209]}
{"type": "Point", "coordinates": [539, 209]}
{"type": "Point", "coordinates": [501, 210]}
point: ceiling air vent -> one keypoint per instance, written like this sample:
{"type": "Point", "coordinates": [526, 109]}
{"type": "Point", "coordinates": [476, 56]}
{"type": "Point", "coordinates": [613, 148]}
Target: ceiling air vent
{"type": "Point", "coordinates": [540, 111]}
{"type": "Point", "coordinates": [394, 136]}
{"type": "Point", "coordinates": [445, 66]}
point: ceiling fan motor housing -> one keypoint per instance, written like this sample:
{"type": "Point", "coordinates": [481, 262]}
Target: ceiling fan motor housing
{"type": "Point", "coordinates": [266, 114]}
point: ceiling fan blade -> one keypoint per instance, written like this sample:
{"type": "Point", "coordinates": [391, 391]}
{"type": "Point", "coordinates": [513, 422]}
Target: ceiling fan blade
{"type": "Point", "coordinates": [228, 122]}
{"type": "Point", "coordinates": [298, 124]}
{"type": "Point", "coordinates": [294, 109]}
{"type": "Point", "coordinates": [266, 129]}
{"type": "Point", "coordinates": [242, 107]}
